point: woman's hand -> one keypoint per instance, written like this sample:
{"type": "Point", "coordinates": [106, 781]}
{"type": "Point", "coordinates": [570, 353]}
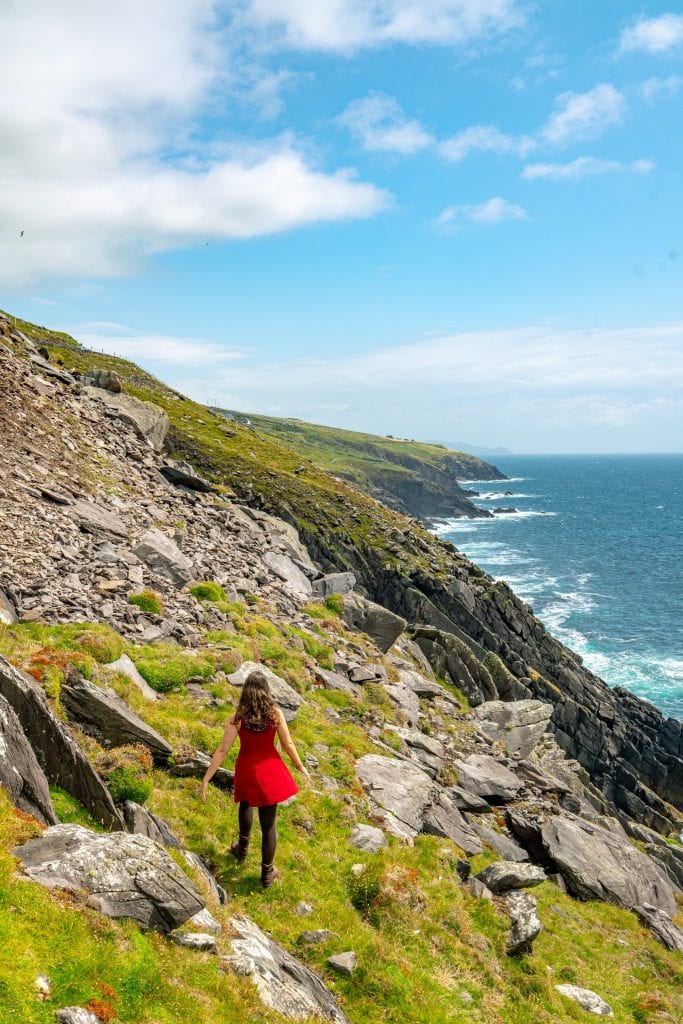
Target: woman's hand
{"type": "Point", "coordinates": [202, 791]}
{"type": "Point", "coordinates": [306, 774]}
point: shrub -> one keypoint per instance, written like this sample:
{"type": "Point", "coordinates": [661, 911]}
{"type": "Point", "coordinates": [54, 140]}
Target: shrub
{"type": "Point", "coordinates": [127, 772]}
{"type": "Point", "coordinates": [166, 667]}
{"type": "Point", "coordinates": [365, 887]}
{"type": "Point", "coordinates": [148, 601]}
{"type": "Point", "coordinates": [335, 603]}
{"type": "Point", "coordinates": [102, 643]}
{"type": "Point", "coordinates": [208, 591]}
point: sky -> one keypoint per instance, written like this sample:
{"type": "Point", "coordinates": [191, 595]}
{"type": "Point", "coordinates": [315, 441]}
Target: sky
{"type": "Point", "coordinates": [442, 219]}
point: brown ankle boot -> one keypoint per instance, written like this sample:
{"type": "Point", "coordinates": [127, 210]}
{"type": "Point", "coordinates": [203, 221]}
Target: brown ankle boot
{"type": "Point", "coordinates": [268, 875]}
{"type": "Point", "coordinates": [240, 848]}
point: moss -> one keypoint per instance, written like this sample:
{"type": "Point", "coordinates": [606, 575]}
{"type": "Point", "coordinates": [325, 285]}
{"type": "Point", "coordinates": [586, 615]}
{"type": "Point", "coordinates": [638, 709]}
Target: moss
{"type": "Point", "coordinates": [127, 772]}
{"type": "Point", "coordinates": [335, 603]}
{"type": "Point", "coordinates": [148, 601]}
{"type": "Point", "coordinates": [102, 643]}
{"type": "Point", "coordinates": [167, 667]}
{"type": "Point", "coordinates": [208, 591]}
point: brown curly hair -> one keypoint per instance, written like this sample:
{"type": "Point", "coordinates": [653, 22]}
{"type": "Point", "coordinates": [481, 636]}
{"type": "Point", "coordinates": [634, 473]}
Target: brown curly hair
{"type": "Point", "coordinates": [256, 708]}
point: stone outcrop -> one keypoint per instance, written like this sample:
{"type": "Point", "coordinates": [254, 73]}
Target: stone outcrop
{"type": "Point", "coordinates": [518, 725]}
{"type": "Point", "coordinates": [381, 625]}
{"type": "Point", "coordinates": [165, 559]}
{"type": "Point", "coordinates": [333, 583]}
{"type": "Point", "coordinates": [486, 777]}
{"type": "Point", "coordinates": [20, 773]}
{"type": "Point", "coordinates": [126, 875]}
{"type": "Point", "coordinates": [283, 983]}
{"type": "Point", "coordinates": [58, 754]}
{"type": "Point", "coordinates": [504, 875]}
{"type": "Point", "coordinates": [148, 420]}
{"type": "Point", "coordinates": [526, 924]}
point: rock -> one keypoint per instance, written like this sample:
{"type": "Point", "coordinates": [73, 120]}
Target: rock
{"type": "Point", "coordinates": [43, 987]}
{"type": "Point", "coordinates": [126, 667]}
{"type": "Point", "coordinates": [453, 657]}
{"type": "Point", "coordinates": [597, 863]}
{"type": "Point", "coordinates": [302, 908]}
{"type": "Point", "coordinates": [406, 699]}
{"type": "Point", "coordinates": [193, 765]}
{"type": "Point", "coordinates": [442, 818]}
{"type": "Point", "coordinates": [336, 681]}
{"type": "Point", "coordinates": [76, 1015]}
{"type": "Point", "coordinates": [8, 615]}
{"type": "Point", "coordinates": [518, 724]}
{"type": "Point", "coordinates": [95, 519]}
{"type": "Point", "coordinates": [148, 420]}
{"type": "Point", "coordinates": [51, 371]}
{"type": "Point", "coordinates": [102, 713]}
{"type": "Point", "coordinates": [283, 983]}
{"type": "Point", "coordinates": [662, 927]}
{"type": "Point", "coordinates": [142, 822]}
{"type": "Point", "coordinates": [505, 847]}
{"type": "Point", "coordinates": [286, 697]}
{"type": "Point", "coordinates": [163, 556]}
{"type": "Point", "coordinates": [381, 625]}
{"type": "Point", "coordinates": [289, 572]}
{"type": "Point", "coordinates": [333, 583]}
{"type": "Point", "coordinates": [200, 941]}
{"type": "Point", "coordinates": [367, 838]}
{"type": "Point", "coordinates": [126, 876]}
{"type": "Point", "coordinates": [400, 787]}
{"type": "Point", "coordinates": [586, 999]}
{"type": "Point", "coordinates": [345, 963]}
{"type": "Point", "coordinates": [422, 686]}
{"type": "Point", "coordinates": [363, 674]}
{"type": "Point", "coordinates": [467, 801]}
{"type": "Point", "coordinates": [20, 773]}
{"type": "Point", "coordinates": [183, 475]}
{"type": "Point", "coordinates": [486, 777]}
{"type": "Point", "coordinates": [203, 869]}
{"type": "Point", "coordinates": [526, 925]}
{"type": "Point", "coordinates": [285, 537]}
{"type": "Point", "coordinates": [205, 922]}
{"type": "Point", "coordinates": [477, 889]}
{"type": "Point", "coordinates": [504, 875]}
{"type": "Point", "coordinates": [108, 380]}
{"type": "Point", "coordinates": [315, 938]}
{"type": "Point", "coordinates": [60, 757]}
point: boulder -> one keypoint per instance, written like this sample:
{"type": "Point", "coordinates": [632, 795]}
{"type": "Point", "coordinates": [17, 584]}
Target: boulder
{"type": "Point", "coordinates": [93, 518]}
{"type": "Point", "coordinates": [76, 1015]}
{"type": "Point", "coordinates": [51, 371]}
{"type": "Point", "coordinates": [285, 537]}
{"type": "Point", "coordinates": [504, 875]}
{"type": "Point", "coordinates": [202, 942]}
{"type": "Point", "coordinates": [336, 681]}
{"type": "Point", "coordinates": [464, 800]}
{"type": "Point", "coordinates": [333, 583]}
{"type": "Point", "coordinates": [586, 999]}
{"type": "Point", "coordinates": [423, 686]}
{"type": "Point", "coordinates": [126, 667]}
{"type": "Point", "coordinates": [8, 615]}
{"type": "Point", "coordinates": [142, 822]}
{"type": "Point", "coordinates": [367, 838]}
{"type": "Point", "coordinates": [453, 657]}
{"type": "Point", "coordinates": [163, 556]}
{"type": "Point", "coordinates": [108, 380]}
{"type": "Point", "coordinates": [504, 846]}
{"type": "Point", "coordinates": [518, 724]}
{"type": "Point", "coordinates": [399, 787]}
{"type": "Point", "coordinates": [20, 773]}
{"type": "Point", "coordinates": [58, 754]}
{"type": "Point", "coordinates": [126, 875]}
{"type": "Point", "coordinates": [406, 699]}
{"type": "Point", "coordinates": [197, 864]}
{"type": "Point", "coordinates": [662, 927]}
{"type": "Point", "coordinates": [193, 765]}
{"type": "Point", "coordinates": [205, 922]}
{"type": "Point", "coordinates": [442, 818]}
{"type": "Point", "coordinates": [598, 863]}
{"type": "Point", "coordinates": [182, 474]}
{"type": "Point", "coordinates": [295, 580]}
{"type": "Point", "coordinates": [286, 697]}
{"type": "Point", "coordinates": [381, 625]}
{"type": "Point", "coordinates": [345, 963]}
{"type": "Point", "coordinates": [101, 713]}
{"type": "Point", "coordinates": [488, 778]}
{"type": "Point", "coordinates": [526, 924]}
{"type": "Point", "coordinates": [148, 420]}
{"type": "Point", "coordinates": [283, 983]}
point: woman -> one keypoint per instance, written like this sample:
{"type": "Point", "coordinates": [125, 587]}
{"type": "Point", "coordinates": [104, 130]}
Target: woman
{"type": "Point", "coordinates": [261, 777]}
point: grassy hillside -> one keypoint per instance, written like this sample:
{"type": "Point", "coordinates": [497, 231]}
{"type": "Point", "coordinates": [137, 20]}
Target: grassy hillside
{"type": "Point", "coordinates": [409, 475]}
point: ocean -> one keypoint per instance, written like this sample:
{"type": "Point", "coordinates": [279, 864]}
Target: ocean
{"type": "Point", "coordinates": [596, 549]}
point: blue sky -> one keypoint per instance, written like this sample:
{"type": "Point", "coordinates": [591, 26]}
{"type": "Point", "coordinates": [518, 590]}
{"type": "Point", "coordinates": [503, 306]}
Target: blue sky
{"type": "Point", "coordinates": [446, 219]}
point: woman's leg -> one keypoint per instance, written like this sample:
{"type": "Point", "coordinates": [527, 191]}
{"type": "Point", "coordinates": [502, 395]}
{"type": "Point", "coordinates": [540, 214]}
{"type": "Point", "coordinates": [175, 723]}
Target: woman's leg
{"type": "Point", "coordinates": [245, 817]}
{"type": "Point", "coordinates": [268, 834]}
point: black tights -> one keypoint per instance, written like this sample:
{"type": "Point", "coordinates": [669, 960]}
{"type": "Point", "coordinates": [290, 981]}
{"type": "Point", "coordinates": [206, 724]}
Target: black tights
{"type": "Point", "coordinates": [266, 817]}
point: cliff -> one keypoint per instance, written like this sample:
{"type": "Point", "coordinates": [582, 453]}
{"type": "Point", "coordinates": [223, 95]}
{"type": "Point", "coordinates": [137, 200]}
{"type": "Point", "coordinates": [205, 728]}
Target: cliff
{"type": "Point", "coordinates": [412, 477]}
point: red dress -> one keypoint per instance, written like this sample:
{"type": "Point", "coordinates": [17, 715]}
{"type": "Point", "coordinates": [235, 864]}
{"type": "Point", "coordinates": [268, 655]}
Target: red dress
{"type": "Point", "coordinates": [261, 776]}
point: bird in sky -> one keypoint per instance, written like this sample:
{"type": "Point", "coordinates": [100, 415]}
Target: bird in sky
{"type": "Point", "coordinates": [21, 234]}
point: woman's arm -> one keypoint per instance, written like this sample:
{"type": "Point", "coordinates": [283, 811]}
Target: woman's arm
{"type": "Point", "coordinates": [219, 757]}
{"type": "Point", "coordinates": [287, 744]}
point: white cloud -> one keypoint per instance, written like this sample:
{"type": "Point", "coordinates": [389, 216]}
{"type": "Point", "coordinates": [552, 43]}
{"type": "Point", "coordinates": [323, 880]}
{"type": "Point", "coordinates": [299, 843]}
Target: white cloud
{"type": "Point", "coordinates": [583, 167]}
{"type": "Point", "coordinates": [585, 115]}
{"type": "Point", "coordinates": [661, 88]}
{"type": "Point", "coordinates": [153, 349]}
{"type": "Point", "coordinates": [653, 35]}
{"type": "Point", "coordinates": [493, 211]}
{"type": "Point", "coordinates": [346, 26]}
{"type": "Point", "coordinates": [487, 139]}
{"type": "Point", "coordinates": [379, 123]}
{"type": "Point", "coordinates": [98, 166]}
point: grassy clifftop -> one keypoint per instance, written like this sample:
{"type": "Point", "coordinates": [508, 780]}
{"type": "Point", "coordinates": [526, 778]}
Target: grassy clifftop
{"type": "Point", "coordinates": [411, 476]}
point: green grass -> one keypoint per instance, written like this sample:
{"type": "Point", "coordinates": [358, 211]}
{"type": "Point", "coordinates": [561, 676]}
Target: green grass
{"type": "Point", "coordinates": [148, 601]}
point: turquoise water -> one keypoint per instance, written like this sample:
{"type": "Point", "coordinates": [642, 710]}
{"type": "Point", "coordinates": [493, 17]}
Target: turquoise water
{"type": "Point", "coordinates": [596, 549]}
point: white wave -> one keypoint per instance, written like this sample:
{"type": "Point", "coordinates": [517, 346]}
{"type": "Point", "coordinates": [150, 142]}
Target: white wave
{"type": "Point", "coordinates": [497, 495]}
{"type": "Point", "coordinates": [495, 480]}
{"type": "Point", "coordinates": [523, 514]}
{"type": "Point", "coordinates": [672, 667]}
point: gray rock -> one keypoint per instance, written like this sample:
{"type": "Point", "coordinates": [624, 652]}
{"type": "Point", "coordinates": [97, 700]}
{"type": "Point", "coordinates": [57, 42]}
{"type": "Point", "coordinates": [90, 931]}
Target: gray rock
{"type": "Point", "coordinates": [597, 863]}
{"type": "Point", "coordinates": [464, 800]}
{"type": "Point", "coordinates": [194, 766]}
{"type": "Point", "coordinates": [205, 922]}
{"type": "Point", "coordinates": [504, 875]}
{"type": "Point", "coordinates": [477, 889]}
{"type": "Point", "coordinates": [76, 1015]}
{"type": "Point", "coordinates": [202, 942]}
{"type": "Point", "coordinates": [345, 963]}
{"type": "Point", "coordinates": [367, 838]}
{"type": "Point", "coordinates": [505, 847]}
{"type": "Point", "coordinates": [283, 983]}
{"type": "Point", "coordinates": [143, 822]}
{"type": "Point", "coordinates": [183, 475]}
{"type": "Point", "coordinates": [102, 713]}
{"type": "Point", "coordinates": [400, 787]}
{"type": "Point", "coordinates": [149, 421]}
{"type": "Point", "coordinates": [285, 537]}
{"type": "Point", "coordinates": [423, 686]}
{"type": "Point", "coordinates": [381, 625]}
{"type": "Point", "coordinates": [197, 864]}
{"type": "Point", "coordinates": [586, 999]}
{"type": "Point", "coordinates": [363, 674]}
{"type": "Point", "coordinates": [8, 615]}
{"type": "Point", "coordinates": [126, 667]}
{"type": "Point", "coordinates": [108, 380]}
{"type": "Point", "coordinates": [483, 775]}
{"type": "Point", "coordinates": [126, 876]}
{"type": "Point", "coordinates": [526, 924]}
{"type": "Point", "coordinates": [60, 757]}
{"type": "Point", "coordinates": [662, 927]}
{"type": "Point", "coordinates": [336, 681]}
{"type": "Point", "coordinates": [406, 699]}
{"type": "Point", "coordinates": [286, 697]}
{"type": "Point", "coordinates": [163, 556]}
{"type": "Point", "coordinates": [293, 577]}
{"type": "Point", "coordinates": [303, 908]}
{"type": "Point", "coordinates": [333, 583]}
{"type": "Point", "coordinates": [20, 773]}
{"type": "Point", "coordinates": [51, 371]}
{"type": "Point", "coordinates": [95, 519]}
{"type": "Point", "coordinates": [443, 819]}
{"type": "Point", "coordinates": [315, 938]}
{"type": "Point", "coordinates": [518, 724]}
